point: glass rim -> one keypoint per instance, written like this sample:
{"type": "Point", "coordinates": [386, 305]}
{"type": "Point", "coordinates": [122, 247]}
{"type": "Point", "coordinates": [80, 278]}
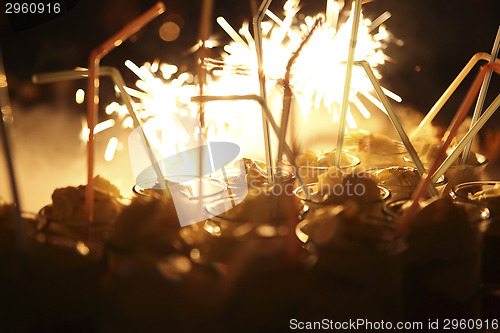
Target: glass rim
{"type": "Point", "coordinates": [388, 208]}
{"type": "Point", "coordinates": [384, 194]}
{"type": "Point", "coordinates": [355, 162]}
{"type": "Point", "coordinates": [222, 217]}
{"type": "Point", "coordinates": [399, 144]}
{"type": "Point", "coordinates": [455, 192]}
{"type": "Point", "coordinates": [136, 189]}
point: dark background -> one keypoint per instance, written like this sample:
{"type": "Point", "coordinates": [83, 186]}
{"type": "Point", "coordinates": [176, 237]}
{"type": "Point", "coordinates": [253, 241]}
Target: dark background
{"type": "Point", "coordinates": [439, 36]}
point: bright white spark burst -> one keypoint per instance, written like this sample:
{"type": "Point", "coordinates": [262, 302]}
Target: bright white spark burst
{"type": "Point", "coordinates": [317, 77]}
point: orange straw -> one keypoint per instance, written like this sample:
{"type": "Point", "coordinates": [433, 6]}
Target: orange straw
{"type": "Point", "coordinates": [93, 90]}
{"type": "Point", "coordinates": [446, 140]}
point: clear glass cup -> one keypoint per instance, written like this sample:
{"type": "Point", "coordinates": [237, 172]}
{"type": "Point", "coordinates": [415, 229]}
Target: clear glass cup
{"type": "Point", "coordinates": [317, 200]}
{"type": "Point", "coordinates": [260, 214]}
{"type": "Point", "coordinates": [359, 270]}
{"type": "Point", "coordinates": [485, 195]}
{"type": "Point", "coordinates": [310, 173]}
{"type": "Point", "coordinates": [442, 264]}
{"type": "Point", "coordinates": [472, 171]}
{"type": "Point", "coordinates": [260, 258]}
{"type": "Point", "coordinates": [376, 158]}
{"type": "Point", "coordinates": [56, 284]}
{"type": "Point", "coordinates": [190, 195]}
{"type": "Point", "coordinates": [399, 191]}
{"type": "Point", "coordinates": [210, 187]}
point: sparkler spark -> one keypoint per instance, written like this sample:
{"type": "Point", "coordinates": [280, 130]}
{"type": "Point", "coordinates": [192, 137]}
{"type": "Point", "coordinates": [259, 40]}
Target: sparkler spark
{"type": "Point", "coordinates": [317, 77]}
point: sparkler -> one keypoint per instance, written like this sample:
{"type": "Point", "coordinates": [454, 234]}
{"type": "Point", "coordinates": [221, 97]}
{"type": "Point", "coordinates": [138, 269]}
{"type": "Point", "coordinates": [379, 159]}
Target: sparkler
{"type": "Point", "coordinates": [316, 77]}
{"type": "Point", "coordinates": [287, 94]}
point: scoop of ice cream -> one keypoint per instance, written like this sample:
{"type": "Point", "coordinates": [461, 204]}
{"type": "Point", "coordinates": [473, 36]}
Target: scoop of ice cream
{"type": "Point", "coordinates": [329, 179]}
{"type": "Point", "coordinates": [345, 227]}
{"type": "Point", "coordinates": [489, 197]}
{"type": "Point", "coordinates": [256, 171]}
{"type": "Point", "coordinates": [328, 159]}
{"type": "Point", "coordinates": [6, 212]}
{"type": "Point", "coordinates": [264, 204]}
{"type": "Point", "coordinates": [322, 159]}
{"type": "Point", "coordinates": [443, 255]}
{"type": "Point", "coordinates": [373, 143]}
{"type": "Point", "coordinates": [429, 152]}
{"type": "Point", "coordinates": [398, 176]}
{"type": "Point", "coordinates": [309, 158]}
{"type": "Point", "coordinates": [358, 186]}
{"type": "Point", "coordinates": [105, 186]}
{"type": "Point", "coordinates": [486, 194]}
{"type": "Point", "coordinates": [68, 203]}
{"type": "Point", "coordinates": [147, 225]}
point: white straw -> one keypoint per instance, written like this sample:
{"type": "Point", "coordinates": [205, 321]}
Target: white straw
{"type": "Point", "coordinates": [482, 95]}
{"type": "Point", "coordinates": [448, 92]}
{"type": "Point", "coordinates": [347, 84]}
{"type": "Point", "coordinates": [127, 100]}
{"type": "Point", "coordinates": [268, 115]}
{"type": "Point", "coordinates": [257, 21]}
{"type": "Point", "coordinates": [395, 122]}
{"type": "Point", "coordinates": [467, 138]}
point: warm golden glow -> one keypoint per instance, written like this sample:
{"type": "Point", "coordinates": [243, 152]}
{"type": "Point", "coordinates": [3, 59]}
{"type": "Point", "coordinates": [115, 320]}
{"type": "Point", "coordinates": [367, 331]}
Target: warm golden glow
{"type": "Point", "coordinates": [317, 79]}
{"type": "Point", "coordinates": [80, 96]}
{"type": "Point", "coordinates": [82, 248]}
{"type": "Point", "coordinates": [111, 149]}
{"type": "Point", "coordinates": [169, 31]}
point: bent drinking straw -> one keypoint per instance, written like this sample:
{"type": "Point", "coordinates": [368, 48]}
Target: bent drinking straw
{"type": "Point", "coordinates": [347, 84]}
{"type": "Point", "coordinates": [482, 95]}
{"type": "Point", "coordinates": [93, 91]}
{"type": "Point", "coordinates": [257, 29]}
{"type": "Point", "coordinates": [269, 116]}
{"type": "Point", "coordinates": [449, 91]}
{"type": "Point", "coordinates": [410, 212]}
{"type": "Point", "coordinates": [395, 121]}
{"type": "Point", "coordinates": [127, 100]}
{"type": "Point", "coordinates": [467, 138]}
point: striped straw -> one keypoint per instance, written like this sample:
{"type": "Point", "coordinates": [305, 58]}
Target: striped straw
{"type": "Point", "coordinates": [467, 138]}
{"type": "Point", "coordinates": [347, 84]}
{"type": "Point", "coordinates": [449, 91]}
{"type": "Point", "coordinates": [395, 121]}
{"type": "Point", "coordinates": [269, 116]}
{"type": "Point", "coordinates": [446, 141]}
{"type": "Point", "coordinates": [127, 100]}
{"type": "Point", "coordinates": [93, 91]}
{"type": "Point", "coordinates": [482, 95]}
{"type": "Point", "coordinates": [257, 21]}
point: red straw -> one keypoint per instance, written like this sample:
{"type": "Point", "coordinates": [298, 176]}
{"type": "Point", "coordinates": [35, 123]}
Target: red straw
{"type": "Point", "coordinates": [446, 140]}
{"type": "Point", "coordinates": [93, 90]}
